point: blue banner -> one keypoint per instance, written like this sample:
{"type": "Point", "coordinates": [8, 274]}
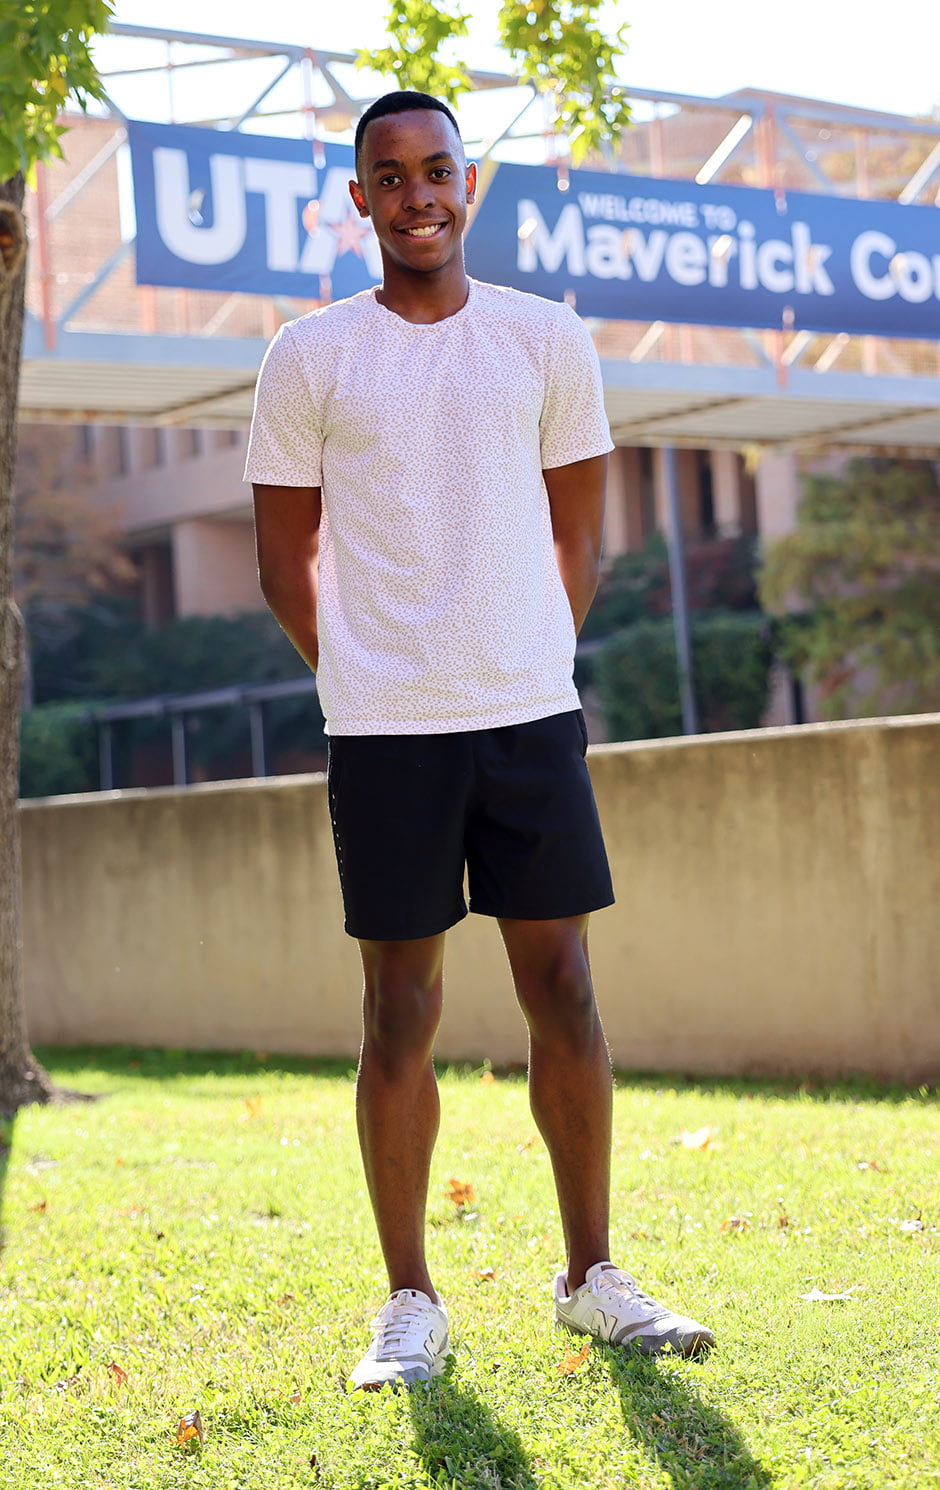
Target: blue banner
{"type": "Point", "coordinates": [222, 210]}
{"type": "Point", "coordinates": [229, 211]}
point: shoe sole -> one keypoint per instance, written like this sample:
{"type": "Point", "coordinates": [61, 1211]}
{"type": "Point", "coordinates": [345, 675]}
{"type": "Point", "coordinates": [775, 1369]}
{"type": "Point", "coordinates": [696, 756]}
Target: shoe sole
{"type": "Point", "coordinates": [689, 1347]}
{"type": "Point", "coordinates": [412, 1376]}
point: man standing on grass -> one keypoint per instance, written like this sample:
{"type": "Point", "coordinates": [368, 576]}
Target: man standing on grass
{"type": "Point", "coordinates": [428, 462]}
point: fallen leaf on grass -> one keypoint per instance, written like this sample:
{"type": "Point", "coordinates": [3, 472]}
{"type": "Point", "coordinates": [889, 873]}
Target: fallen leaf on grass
{"type": "Point", "coordinates": [117, 1374]}
{"type": "Point", "coordinates": [574, 1359]}
{"type": "Point", "coordinates": [871, 1164]}
{"type": "Point", "coordinates": [39, 1206]}
{"type": "Point", "coordinates": [487, 1078]}
{"type": "Point", "coordinates": [485, 1275]}
{"type": "Point", "coordinates": [295, 1399]}
{"type": "Point", "coordinates": [190, 1432]}
{"type": "Point", "coordinates": [702, 1138]}
{"type": "Point", "coordinates": [253, 1107]}
{"type": "Point", "coordinates": [459, 1193]}
{"type": "Point", "coordinates": [816, 1297]}
{"type": "Point", "coordinates": [119, 1162]}
{"type": "Point", "coordinates": [735, 1223]}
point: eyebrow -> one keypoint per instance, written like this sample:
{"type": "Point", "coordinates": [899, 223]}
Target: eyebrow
{"type": "Point", "coordinates": [384, 165]}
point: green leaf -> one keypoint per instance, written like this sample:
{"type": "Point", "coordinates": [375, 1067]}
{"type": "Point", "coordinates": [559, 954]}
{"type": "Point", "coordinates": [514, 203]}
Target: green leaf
{"type": "Point", "coordinates": [557, 46]}
{"type": "Point", "coordinates": [419, 29]}
{"type": "Point", "coordinates": [45, 58]}
{"type": "Point", "coordinates": [857, 585]}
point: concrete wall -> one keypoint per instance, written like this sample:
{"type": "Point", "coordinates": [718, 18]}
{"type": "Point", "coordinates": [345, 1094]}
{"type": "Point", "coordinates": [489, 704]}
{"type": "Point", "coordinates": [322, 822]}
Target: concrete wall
{"type": "Point", "coordinates": [215, 572]}
{"type": "Point", "coordinates": [778, 898]}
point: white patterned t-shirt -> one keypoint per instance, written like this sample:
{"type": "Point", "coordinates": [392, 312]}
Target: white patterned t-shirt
{"type": "Point", "coordinates": [441, 607]}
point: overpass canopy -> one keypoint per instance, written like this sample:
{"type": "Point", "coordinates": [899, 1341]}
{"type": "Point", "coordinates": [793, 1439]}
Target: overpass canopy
{"type": "Point", "coordinates": [138, 379]}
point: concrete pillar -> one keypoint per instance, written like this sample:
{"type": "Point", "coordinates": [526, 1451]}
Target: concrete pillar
{"type": "Point", "coordinates": [778, 496]}
{"type": "Point", "coordinates": [615, 516]}
{"type": "Point", "coordinates": [624, 525]}
{"type": "Point", "coordinates": [726, 492]}
{"type": "Point", "coordinates": [157, 601]}
{"type": "Point", "coordinates": [214, 568]}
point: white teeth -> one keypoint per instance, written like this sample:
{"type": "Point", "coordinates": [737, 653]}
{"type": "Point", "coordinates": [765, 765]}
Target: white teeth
{"type": "Point", "coordinates": [423, 232]}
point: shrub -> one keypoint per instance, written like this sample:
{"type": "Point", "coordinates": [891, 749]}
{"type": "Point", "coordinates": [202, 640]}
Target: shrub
{"type": "Point", "coordinates": [103, 654]}
{"type": "Point", "coordinates": [720, 575]}
{"type": "Point", "coordinates": [58, 750]}
{"type": "Point", "coordinates": [637, 677]}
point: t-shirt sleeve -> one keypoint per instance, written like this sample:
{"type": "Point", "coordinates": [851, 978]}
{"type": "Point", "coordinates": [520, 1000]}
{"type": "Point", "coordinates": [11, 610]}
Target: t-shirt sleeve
{"type": "Point", "coordinates": [573, 425]}
{"type": "Point", "coordinates": [285, 444]}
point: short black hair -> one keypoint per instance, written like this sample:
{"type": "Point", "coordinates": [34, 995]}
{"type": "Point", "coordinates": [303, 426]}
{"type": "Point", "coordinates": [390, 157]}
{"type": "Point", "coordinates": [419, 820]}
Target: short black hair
{"type": "Point", "coordinates": [400, 102]}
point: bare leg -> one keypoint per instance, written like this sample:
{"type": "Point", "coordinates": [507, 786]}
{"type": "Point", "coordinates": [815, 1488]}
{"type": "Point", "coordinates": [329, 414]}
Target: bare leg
{"type": "Point", "coordinates": [570, 1085]}
{"type": "Point", "coordinates": [397, 1105]}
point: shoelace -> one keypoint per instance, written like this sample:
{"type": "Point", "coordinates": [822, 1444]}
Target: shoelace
{"type": "Point", "coordinates": [615, 1282]}
{"type": "Point", "coordinates": [399, 1321]}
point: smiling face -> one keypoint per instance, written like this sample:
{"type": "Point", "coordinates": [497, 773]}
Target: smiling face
{"type": "Point", "coordinates": [414, 183]}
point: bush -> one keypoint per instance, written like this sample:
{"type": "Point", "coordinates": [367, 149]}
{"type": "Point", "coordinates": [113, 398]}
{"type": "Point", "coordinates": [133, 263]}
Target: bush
{"type": "Point", "coordinates": [720, 575]}
{"type": "Point", "coordinates": [103, 653]}
{"type": "Point", "coordinates": [637, 676]}
{"type": "Point", "coordinates": [58, 750]}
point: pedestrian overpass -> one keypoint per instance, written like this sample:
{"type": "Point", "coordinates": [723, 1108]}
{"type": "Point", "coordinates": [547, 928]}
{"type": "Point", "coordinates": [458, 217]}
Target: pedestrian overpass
{"type": "Point", "coordinates": [99, 348]}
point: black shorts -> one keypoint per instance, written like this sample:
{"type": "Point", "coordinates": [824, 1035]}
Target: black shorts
{"type": "Point", "coordinates": [515, 805]}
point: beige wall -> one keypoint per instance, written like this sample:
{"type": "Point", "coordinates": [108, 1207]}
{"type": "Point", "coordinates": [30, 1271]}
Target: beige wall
{"type": "Point", "coordinates": [778, 495]}
{"type": "Point", "coordinates": [215, 572]}
{"type": "Point", "coordinates": [149, 497]}
{"type": "Point", "coordinates": [777, 911]}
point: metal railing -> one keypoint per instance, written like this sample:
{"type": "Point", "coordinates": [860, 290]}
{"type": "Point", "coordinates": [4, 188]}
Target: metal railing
{"type": "Point", "coordinates": [177, 707]}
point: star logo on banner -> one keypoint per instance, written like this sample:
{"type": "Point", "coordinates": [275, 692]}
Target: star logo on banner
{"type": "Point", "coordinates": [350, 233]}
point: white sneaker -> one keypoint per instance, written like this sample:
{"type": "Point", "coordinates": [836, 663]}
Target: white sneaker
{"type": "Point", "coordinates": [410, 1343]}
{"type": "Point", "coordinates": [612, 1307]}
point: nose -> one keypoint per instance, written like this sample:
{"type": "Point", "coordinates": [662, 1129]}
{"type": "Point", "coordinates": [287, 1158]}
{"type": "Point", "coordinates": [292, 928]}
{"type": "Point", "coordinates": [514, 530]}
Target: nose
{"type": "Point", "coordinates": [418, 196]}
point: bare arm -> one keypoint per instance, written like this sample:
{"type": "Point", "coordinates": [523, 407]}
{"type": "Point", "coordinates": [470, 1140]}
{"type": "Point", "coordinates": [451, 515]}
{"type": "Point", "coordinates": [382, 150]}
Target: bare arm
{"type": "Point", "coordinates": [287, 534]}
{"type": "Point", "coordinates": [576, 501]}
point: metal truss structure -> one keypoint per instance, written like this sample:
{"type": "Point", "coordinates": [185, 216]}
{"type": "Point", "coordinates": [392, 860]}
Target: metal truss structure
{"type": "Point", "coordinates": [100, 348]}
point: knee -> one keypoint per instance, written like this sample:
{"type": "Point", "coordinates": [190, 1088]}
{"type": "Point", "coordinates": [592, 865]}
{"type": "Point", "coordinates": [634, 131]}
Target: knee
{"type": "Point", "coordinates": [401, 1014]}
{"type": "Point", "coordinates": [558, 1002]}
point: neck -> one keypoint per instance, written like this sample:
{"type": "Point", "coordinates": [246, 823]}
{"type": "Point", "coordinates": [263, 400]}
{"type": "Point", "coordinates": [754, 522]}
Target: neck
{"type": "Point", "coordinates": [424, 298]}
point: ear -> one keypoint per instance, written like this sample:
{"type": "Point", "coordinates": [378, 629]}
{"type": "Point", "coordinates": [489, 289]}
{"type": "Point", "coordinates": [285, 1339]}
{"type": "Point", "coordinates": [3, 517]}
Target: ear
{"type": "Point", "coordinates": [471, 181]}
{"type": "Point", "coordinates": [355, 191]}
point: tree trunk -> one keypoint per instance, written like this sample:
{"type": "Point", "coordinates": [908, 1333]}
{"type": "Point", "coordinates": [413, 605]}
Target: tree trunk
{"type": "Point", "coordinates": [22, 1079]}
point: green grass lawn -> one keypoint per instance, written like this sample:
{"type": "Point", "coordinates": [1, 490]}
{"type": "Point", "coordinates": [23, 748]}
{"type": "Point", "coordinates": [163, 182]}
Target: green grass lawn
{"type": "Point", "coordinates": [203, 1229]}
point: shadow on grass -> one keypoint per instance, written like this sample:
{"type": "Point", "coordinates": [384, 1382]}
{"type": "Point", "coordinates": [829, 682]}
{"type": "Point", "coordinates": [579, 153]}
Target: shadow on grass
{"type": "Point", "coordinates": [809, 1089]}
{"type": "Point", "coordinates": [460, 1442]}
{"type": "Point", "coordinates": [694, 1443]}
{"type": "Point", "coordinates": [75, 1063]}
{"type": "Point", "coordinates": [6, 1148]}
